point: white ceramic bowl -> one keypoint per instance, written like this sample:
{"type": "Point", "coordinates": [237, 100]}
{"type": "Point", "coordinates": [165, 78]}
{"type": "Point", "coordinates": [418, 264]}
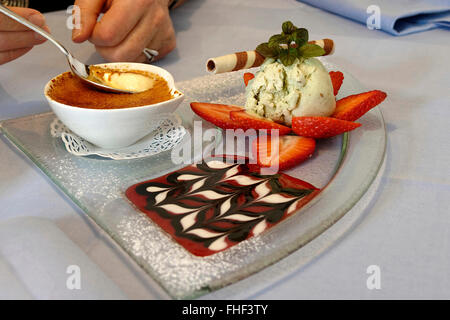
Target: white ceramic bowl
{"type": "Point", "coordinates": [117, 128]}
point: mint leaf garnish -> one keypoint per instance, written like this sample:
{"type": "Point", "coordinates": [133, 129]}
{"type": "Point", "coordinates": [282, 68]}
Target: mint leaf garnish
{"type": "Point", "coordinates": [288, 27]}
{"type": "Point", "coordinates": [290, 44]}
{"type": "Point", "coordinates": [311, 50]}
{"type": "Point", "coordinates": [264, 50]}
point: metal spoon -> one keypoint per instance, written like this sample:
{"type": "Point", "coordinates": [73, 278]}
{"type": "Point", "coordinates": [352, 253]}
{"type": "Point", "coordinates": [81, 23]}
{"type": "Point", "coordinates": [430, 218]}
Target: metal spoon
{"type": "Point", "coordinates": [78, 68]}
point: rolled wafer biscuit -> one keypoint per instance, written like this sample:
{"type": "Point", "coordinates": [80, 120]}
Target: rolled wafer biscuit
{"type": "Point", "coordinates": [325, 44]}
{"type": "Point", "coordinates": [250, 59]}
{"type": "Point", "coordinates": [235, 61]}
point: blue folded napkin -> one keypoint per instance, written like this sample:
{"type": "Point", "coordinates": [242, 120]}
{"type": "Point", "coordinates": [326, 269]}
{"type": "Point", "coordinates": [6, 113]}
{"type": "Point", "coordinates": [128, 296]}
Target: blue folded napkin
{"type": "Point", "coordinates": [397, 17]}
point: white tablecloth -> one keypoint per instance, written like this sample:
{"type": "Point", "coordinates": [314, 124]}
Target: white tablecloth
{"type": "Point", "coordinates": [404, 229]}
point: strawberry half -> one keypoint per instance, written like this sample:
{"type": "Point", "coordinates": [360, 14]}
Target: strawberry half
{"type": "Point", "coordinates": [321, 127]}
{"type": "Point", "coordinates": [244, 120]}
{"type": "Point", "coordinates": [353, 107]}
{"type": "Point", "coordinates": [337, 78]}
{"type": "Point", "coordinates": [217, 114]}
{"type": "Point", "coordinates": [247, 77]}
{"type": "Point", "coordinates": [283, 152]}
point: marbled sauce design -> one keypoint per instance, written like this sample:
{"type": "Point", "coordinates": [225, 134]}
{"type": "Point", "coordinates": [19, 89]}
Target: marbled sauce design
{"type": "Point", "coordinates": [213, 205]}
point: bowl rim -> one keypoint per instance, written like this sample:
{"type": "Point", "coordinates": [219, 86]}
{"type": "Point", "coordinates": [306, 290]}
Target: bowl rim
{"type": "Point", "coordinates": [117, 110]}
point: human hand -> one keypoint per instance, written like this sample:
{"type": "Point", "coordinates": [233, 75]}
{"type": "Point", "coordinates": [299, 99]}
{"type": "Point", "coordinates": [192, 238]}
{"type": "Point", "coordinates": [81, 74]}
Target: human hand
{"type": "Point", "coordinates": [126, 28]}
{"type": "Point", "coordinates": [15, 38]}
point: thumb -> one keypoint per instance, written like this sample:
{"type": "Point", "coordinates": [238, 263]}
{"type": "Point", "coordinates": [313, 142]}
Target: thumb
{"type": "Point", "coordinates": [86, 12]}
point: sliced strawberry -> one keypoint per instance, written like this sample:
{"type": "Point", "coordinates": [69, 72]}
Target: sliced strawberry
{"type": "Point", "coordinates": [283, 152]}
{"type": "Point", "coordinates": [217, 114]}
{"type": "Point", "coordinates": [337, 78]}
{"type": "Point", "coordinates": [244, 120]}
{"type": "Point", "coordinates": [353, 107]}
{"type": "Point", "coordinates": [321, 127]}
{"type": "Point", "coordinates": [247, 77]}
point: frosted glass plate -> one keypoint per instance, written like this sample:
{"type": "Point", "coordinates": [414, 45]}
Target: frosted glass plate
{"type": "Point", "coordinates": [344, 167]}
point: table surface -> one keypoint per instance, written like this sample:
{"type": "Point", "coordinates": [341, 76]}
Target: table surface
{"type": "Point", "coordinates": [403, 227]}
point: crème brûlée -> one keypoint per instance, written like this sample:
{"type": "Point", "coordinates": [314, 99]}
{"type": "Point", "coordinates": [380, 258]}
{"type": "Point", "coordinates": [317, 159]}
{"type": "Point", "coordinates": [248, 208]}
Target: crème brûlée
{"type": "Point", "coordinates": [280, 92]}
{"type": "Point", "coordinates": [129, 80]}
{"type": "Point", "coordinates": [70, 90]}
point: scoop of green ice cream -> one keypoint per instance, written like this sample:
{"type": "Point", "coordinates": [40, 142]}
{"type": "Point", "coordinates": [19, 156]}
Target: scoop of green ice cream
{"type": "Point", "coordinates": [280, 92]}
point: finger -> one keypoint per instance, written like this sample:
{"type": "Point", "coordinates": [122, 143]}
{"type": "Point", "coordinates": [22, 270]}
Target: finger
{"type": "Point", "coordinates": [117, 22]}
{"type": "Point", "coordinates": [34, 16]}
{"type": "Point", "coordinates": [130, 48]}
{"type": "Point", "coordinates": [19, 39]}
{"type": "Point", "coordinates": [89, 12]}
{"type": "Point", "coordinates": [164, 42]}
{"type": "Point", "coordinates": [10, 55]}
{"type": "Point", "coordinates": [156, 24]}
{"type": "Point", "coordinates": [164, 46]}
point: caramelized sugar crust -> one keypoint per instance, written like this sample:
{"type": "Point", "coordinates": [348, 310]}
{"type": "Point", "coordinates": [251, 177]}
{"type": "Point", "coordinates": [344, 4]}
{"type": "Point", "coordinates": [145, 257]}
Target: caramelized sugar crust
{"type": "Point", "coordinates": [70, 90]}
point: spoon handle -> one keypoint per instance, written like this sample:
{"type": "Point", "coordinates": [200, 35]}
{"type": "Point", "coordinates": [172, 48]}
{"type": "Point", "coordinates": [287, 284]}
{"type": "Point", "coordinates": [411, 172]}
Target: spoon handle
{"type": "Point", "coordinates": [33, 27]}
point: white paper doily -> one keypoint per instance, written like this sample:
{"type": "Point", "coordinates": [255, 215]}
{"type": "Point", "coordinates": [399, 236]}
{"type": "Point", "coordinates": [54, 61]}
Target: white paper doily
{"type": "Point", "coordinates": [166, 136]}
